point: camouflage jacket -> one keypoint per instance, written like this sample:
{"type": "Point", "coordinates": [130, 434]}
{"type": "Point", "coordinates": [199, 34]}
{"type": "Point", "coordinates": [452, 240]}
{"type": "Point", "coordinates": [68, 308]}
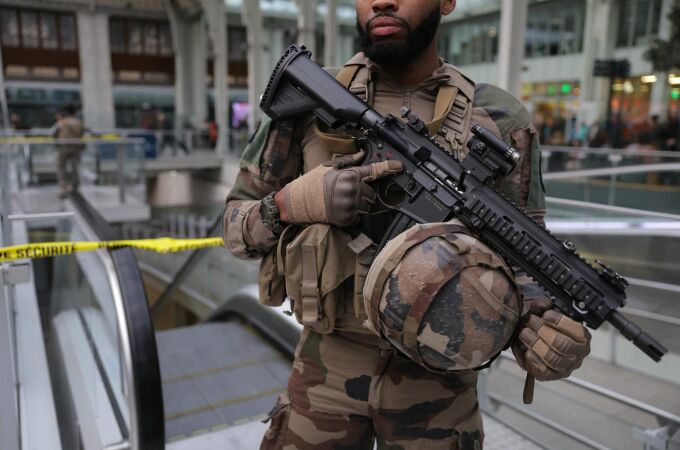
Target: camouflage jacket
{"type": "Point", "coordinates": [280, 151]}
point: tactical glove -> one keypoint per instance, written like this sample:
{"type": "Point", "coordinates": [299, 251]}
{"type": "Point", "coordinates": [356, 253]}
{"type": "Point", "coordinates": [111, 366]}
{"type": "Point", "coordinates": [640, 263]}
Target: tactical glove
{"type": "Point", "coordinates": [551, 345]}
{"type": "Point", "coordinates": [335, 192]}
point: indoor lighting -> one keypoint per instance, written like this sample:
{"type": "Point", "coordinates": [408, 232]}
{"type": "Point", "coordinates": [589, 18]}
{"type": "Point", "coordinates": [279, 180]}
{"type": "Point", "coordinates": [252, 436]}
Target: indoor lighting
{"type": "Point", "coordinates": [648, 78]}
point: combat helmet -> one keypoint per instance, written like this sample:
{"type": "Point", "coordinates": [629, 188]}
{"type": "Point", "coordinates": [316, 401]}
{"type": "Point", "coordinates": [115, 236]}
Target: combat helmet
{"type": "Point", "coordinates": [442, 297]}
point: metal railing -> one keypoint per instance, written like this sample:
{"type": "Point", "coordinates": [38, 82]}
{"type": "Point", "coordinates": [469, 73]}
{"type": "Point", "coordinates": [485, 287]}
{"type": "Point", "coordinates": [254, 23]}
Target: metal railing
{"type": "Point", "coordinates": [10, 422]}
{"type": "Point", "coordinates": [135, 333]}
{"type": "Point", "coordinates": [140, 416]}
{"type": "Point", "coordinates": [163, 143]}
{"type": "Point", "coordinates": [179, 225]}
{"type": "Point", "coordinates": [651, 438]}
{"type": "Point", "coordinates": [625, 185]}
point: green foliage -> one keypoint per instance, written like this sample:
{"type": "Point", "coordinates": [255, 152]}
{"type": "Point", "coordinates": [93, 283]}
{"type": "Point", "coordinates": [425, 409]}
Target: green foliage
{"type": "Point", "coordinates": [665, 55]}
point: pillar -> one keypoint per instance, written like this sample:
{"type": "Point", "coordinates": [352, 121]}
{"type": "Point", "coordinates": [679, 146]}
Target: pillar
{"type": "Point", "coordinates": [661, 90]}
{"type": "Point", "coordinates": [511, 44]}
{"type": "Point", "coordinates": [331, 32]}
{"type": "Point", "coordinates": [598, 43]}
{"type": "Point", "coordinates": [276, 47]}
{"type": "Point", "coordinates": [189, 43]}
{"type": "Point", "coordinates": [96, 89]}
{"type": "Point", "coordinates": [307, 25]}
{"type": "Point", "coordinates": [215, 14]}
{"type": "Point", "coordinates": [4, 110]}
{"type": "Point", "coordinates": [252, 19]}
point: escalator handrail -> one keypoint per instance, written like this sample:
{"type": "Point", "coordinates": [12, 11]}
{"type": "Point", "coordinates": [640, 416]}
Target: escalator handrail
{"type": "Point", "coordinates": [638, 213]}
{"type": "Point", "coordinates": [140, 358]}
{"type": "Point", "coordinates": [609, 171]}
{"type": "Point", "coordinates": [606, 151]}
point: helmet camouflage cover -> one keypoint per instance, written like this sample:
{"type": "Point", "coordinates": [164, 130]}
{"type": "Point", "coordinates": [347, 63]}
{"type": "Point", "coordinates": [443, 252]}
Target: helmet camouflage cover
{"type": "Point", "coordinates": [442, 297]}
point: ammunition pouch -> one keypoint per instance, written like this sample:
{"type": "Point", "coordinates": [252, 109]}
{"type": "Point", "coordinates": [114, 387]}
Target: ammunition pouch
{"type": "Point", "coordinates": [315, 268]}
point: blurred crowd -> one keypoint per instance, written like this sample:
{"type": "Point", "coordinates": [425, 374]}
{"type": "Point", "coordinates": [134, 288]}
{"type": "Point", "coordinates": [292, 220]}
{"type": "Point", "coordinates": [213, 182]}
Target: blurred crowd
{"type": "Point", "coordinates": [649, 134]}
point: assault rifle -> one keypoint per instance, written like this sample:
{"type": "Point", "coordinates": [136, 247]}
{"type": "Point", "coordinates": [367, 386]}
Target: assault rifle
{"type": "Point", "coordinates": [437, 187]}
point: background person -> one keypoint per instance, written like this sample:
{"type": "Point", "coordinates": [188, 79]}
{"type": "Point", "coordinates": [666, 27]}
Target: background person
{"type": "Point", "coordinates": [68, 126]}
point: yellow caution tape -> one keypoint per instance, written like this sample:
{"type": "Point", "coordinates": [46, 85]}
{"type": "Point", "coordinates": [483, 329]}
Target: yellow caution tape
{"type": "Point", "coordinates": [112, 137]}
{"type": "Point", "coordinates": [160, 245]}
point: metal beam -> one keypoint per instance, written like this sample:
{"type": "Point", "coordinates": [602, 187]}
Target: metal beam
{"type": "Point", "coordinates": [252, 18]}
{"type": "Point", "coordinates": [511, 44]}
{"type": "Point", "coordinates": [307, 24]}
{"type": "Point", "coordinates": [331, 34]}
{"type": "Point", "coordinates": [215, 14]}
{"type": "Point", "coordinates": [188, 40]}
{"type": "Point", "coordinates": [9, 419]}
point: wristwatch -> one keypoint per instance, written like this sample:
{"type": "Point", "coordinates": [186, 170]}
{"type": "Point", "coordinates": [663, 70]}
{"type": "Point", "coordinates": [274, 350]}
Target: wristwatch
{"type": "Point", "coordinates": [271, 217]}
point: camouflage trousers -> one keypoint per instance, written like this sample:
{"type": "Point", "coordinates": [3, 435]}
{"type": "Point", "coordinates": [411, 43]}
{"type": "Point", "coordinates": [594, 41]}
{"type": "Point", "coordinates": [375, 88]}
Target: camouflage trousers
{"type": "Point", "coordinates": [68, 162]}
{"type": "Point", "coordinates": [347, 391]}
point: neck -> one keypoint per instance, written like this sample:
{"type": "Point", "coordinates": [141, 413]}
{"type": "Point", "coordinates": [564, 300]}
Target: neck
{"type": "Point", "coordinates": [418, 70]}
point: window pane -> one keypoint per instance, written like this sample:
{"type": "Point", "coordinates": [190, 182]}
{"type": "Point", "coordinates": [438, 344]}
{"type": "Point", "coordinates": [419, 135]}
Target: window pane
{"type": "Point", "coordinates": [134, 38]}
{"type": "Point", "coordinates": [625, 23]}
{"type": "Point", "coordinates": [29, 29]}
{"type": "Point", "coordinates": [569, 35]}
{"type": "Point", "coordinates": [541, 36]}
{"type": "Point", "coordinates": [554, 39]}
{"type": "Point", "coordinates": [67, 31]}
{"type": "Point", "coordinates": [9, 27]}
{"type": "Point", "coordinates": [642, 13]}
{"type": "Point", "coordinates": [117, 32]}
{"type": "Point", "coordinates": [656, 17]}
{"type": "Point", "coordinates": [48, 30]}
{"type": "Point", "coordinates": [237, 43]}
{"type": "Point", "coordinates": [150, 38]}
{"type": "Point", "coordinates": [165, 39]}
{"type": "Point", "coordinates": [530, 38]}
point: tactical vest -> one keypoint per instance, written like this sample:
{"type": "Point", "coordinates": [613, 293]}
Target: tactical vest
{"type": "Point", "coordinates": [313, 267]}
{"type": "Point", "coordinates": [452, 117]}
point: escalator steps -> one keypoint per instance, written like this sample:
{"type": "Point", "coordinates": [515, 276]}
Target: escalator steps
{"type": "Point", "coordinates": [217, 375]}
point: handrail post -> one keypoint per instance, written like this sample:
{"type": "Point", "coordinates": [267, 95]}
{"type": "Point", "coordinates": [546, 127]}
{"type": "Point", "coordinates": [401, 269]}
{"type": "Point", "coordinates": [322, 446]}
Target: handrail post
{"type": "Point", "coordinates": [10, 274]}
{"type": "Point", "coordinates": [120, 156]}
{"type": "Point", "coordinates": [653, 439]}
{"type": "Point", "coordinates": [9, 419]}
{"type": "Point", "coordinates": [615, 159]}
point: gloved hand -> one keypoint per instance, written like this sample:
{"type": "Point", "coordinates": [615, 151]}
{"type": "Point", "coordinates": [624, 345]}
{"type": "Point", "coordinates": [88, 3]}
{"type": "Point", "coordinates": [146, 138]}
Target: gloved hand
{"type": "Point", "coordinates": [335, 192]}
{"type": "Point", "coordinates": [550, 345]}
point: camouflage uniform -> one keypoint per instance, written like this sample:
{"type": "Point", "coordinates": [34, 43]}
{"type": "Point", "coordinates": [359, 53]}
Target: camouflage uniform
{"type": "Point", "coordinates": [349, 387]}
{"type": "Point", "coordinates": [68, 159]}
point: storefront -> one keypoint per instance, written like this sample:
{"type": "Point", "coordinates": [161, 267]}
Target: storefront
{"type": "Point", "coordinates": [674, 101]}
{"type": "Point", "coordinates": [631, 98]}
{"type": "Point", "coordinates": [554, 107]}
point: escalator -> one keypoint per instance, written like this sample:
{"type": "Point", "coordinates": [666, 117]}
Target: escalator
{"type": "Point", "coordinates": [109, 380]}
{"type": "Point", "coordinates": [203, 378]}
{"type": "Point", "coordinates": [225, 365]}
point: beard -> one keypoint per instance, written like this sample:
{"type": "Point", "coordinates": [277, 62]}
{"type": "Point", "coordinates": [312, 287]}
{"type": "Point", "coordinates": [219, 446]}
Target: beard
{"type": "Point", "coordinates": [392, 52]}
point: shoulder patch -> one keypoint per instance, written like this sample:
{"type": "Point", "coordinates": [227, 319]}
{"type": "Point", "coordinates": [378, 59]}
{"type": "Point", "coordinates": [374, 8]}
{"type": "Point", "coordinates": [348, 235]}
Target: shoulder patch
{"type": "Point", "coordinates": [251, 154]}
{"type": "Point", "coordinates": [506, 111]}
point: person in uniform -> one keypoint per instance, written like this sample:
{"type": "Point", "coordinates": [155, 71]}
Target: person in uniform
{"type": "Point", "coordinates": [304, 206]}
{"type": "Point", "coordinates": [68, 126]}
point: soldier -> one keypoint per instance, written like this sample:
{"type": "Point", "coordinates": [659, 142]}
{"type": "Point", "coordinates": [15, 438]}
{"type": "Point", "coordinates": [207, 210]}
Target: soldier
{"type": "Point", "coordinates": [68, 126]}
{"type": "Point", "coordinates": [302, 204]}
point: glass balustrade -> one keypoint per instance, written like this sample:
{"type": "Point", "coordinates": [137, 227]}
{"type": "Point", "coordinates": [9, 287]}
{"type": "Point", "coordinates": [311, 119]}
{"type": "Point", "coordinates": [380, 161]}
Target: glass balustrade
{"type": "Point", "coordinates": [90, 325]}
{"type": "Point", "coordinates": [562, 159]}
